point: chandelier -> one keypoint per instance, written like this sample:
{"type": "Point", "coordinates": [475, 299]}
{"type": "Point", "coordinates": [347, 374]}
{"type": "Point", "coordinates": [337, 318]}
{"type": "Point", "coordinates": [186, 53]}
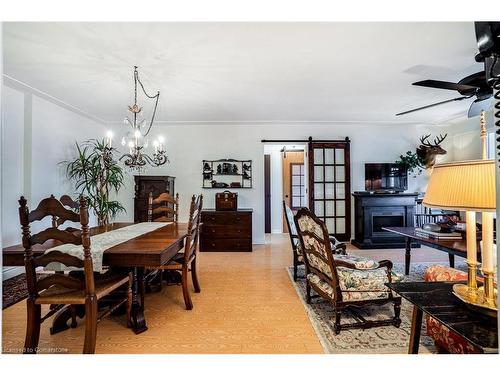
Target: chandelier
{"type": "Point", "coordinates": [136, 140]}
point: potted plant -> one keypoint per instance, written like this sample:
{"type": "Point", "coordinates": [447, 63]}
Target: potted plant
{"type": "Point", "coordinates": [411, 162]}
{"type": "Point", "coordinates": [96, 174]}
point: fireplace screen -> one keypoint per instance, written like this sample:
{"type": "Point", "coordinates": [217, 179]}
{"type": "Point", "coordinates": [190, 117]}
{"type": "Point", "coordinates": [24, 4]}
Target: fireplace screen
{"type": "Point", "coordinates": [387, 221]}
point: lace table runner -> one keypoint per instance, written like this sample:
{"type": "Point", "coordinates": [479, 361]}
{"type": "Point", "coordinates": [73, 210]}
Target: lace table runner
{"type": "Point", "coordinates": [101, 242]}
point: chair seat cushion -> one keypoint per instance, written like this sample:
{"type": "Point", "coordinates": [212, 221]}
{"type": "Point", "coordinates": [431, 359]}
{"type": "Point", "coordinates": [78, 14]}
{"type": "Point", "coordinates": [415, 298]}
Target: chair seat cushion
{"type": "Point", "coordinates": [360, 263]}
{"type": "Point", "coordinates": [355, 285]}
{"type": "Point", "coordinates": [57, 294]}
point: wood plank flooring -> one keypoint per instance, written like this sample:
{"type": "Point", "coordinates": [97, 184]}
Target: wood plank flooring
{"type": "Point", "coordinates": [247, 305]}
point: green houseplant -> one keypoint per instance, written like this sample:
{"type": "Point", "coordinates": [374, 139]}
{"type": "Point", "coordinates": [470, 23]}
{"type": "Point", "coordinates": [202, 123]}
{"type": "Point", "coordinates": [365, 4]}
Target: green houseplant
{"type": "Point", "coordinates": [411, 162]}
{"type": "Point", "coordinates": [95, 175]}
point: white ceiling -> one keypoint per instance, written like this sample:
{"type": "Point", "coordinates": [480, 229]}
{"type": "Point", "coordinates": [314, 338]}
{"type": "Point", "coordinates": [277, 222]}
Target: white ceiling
{"type": "Point", "coordinates": [215, 72]}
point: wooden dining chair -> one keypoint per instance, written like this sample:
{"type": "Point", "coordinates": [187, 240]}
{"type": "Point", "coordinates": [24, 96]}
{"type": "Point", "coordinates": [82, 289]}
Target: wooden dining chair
{"type": "Point", "coordinates": [59, 289]}
{"type": "Point", "coordinates": [185, 261]}
{"type": "Point", "coordinates": [163, 208]}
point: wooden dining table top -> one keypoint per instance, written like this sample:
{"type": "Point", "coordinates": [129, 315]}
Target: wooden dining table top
{"type": "Point", "coordinates": [153, 248]}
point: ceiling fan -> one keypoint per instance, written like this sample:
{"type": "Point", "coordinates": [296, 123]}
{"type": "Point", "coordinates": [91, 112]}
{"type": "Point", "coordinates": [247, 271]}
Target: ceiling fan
{"type": "Point", "coordinates": [474, 85]}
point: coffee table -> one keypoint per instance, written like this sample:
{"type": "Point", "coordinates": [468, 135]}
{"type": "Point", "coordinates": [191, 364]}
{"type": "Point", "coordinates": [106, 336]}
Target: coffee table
{"type": "Point", "coordinates": [437, 300]}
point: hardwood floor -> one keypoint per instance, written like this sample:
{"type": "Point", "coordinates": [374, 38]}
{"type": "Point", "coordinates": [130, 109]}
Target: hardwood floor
{"type": "Point", "coordinates": [247, 304]}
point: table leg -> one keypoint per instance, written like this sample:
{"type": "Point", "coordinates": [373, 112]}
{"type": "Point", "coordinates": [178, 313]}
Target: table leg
{"type": "Point", "coordinates": [452, 260]}
{"type": "Point", "coordinates": [407, 255]}
{"type": "Point", "coordinates": [137, 315]}
{"type": "Point", "coordinates": [416, 327]}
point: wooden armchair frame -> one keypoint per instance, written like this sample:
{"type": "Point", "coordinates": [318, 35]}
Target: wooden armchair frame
{"type": "Point", "coordinates": [338, 247]}
{"type": "Point", "coordinates": [59, 290]}
{"type": "Point", "coordinates": [333, 281]}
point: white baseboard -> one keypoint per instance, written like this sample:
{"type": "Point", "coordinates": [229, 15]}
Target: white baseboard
{"type": "Point", "coordinates": [10, 272]}
{"type": "Point", "coordinates": [276, 231]}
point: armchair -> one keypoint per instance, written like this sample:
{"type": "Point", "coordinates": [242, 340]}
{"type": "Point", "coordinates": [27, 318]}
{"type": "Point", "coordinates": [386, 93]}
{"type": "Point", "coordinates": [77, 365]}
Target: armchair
{"type": "Point", "coordinates": [337, 246]}
{"type": "Point", "coordinates": [344, 280]}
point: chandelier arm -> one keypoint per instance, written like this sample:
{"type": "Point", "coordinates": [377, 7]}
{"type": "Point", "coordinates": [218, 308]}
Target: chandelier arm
{"type": "Point", "coordinates": [154, 113]}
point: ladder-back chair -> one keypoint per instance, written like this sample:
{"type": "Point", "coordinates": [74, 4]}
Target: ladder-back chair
{"type": "Point", "coordinates": [186, 261]}
{"type": "Point", "coordinates": [163, 208]}
{"type": "Point", "coordinates": [59, 289]}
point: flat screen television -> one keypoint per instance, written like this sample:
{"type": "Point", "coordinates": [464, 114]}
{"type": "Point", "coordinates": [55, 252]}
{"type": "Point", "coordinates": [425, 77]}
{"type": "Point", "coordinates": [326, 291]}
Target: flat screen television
{"type": "Point", "coordinates": [385, 176]}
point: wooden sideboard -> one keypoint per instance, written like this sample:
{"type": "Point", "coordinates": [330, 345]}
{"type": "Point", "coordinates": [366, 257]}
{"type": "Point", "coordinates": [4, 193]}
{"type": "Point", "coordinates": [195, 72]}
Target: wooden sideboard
{"type": "Point", "coordinates": [226, 230]}
{"type": "Point", "coordinates": [143, 186]}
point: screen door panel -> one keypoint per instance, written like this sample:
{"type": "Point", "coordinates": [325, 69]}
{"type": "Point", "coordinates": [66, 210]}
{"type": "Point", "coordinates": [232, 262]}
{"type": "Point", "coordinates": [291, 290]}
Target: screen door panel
{"type": "Point", "coordinates": [329, 186]}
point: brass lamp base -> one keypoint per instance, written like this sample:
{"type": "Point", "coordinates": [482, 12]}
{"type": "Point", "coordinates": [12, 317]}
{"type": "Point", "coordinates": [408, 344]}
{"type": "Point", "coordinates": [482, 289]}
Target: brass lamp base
{"type": "Point", "coordinates": [476, 299]}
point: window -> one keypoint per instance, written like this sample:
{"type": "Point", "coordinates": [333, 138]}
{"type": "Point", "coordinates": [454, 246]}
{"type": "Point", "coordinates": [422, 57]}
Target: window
{"type": "Point", "coordinates": [297, 186]}
{"type": "Point", "coordinates": [490, 145]}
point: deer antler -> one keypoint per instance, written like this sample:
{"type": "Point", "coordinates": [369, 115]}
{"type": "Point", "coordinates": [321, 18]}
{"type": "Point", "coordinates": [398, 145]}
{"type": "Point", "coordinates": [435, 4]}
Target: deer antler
{"type": "Point", "coordinates": [440, 139]}
{"type": "Point", "coordinates": [424, 141]}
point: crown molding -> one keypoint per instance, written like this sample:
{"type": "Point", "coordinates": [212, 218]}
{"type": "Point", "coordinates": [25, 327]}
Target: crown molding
{"type": "Point", "coordinates": [24, 87]}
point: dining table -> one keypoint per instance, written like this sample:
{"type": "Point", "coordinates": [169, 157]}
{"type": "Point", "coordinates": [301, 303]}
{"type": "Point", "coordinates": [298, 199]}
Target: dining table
{"type": "Point", "coordinates": [148, 250]}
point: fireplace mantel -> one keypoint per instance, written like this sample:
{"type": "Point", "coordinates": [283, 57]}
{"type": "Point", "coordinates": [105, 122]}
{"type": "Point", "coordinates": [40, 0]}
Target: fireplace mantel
{"type": "Point", "coordinates": [376, 210]}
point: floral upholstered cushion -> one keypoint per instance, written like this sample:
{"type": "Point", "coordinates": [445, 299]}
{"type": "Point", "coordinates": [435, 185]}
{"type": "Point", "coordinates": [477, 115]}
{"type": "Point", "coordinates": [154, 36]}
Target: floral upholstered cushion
{"type": "Point", "coordinates": [307, 224]}
{"type": "Point", "coordinates": [439, 272]}
{"type": "Point", "coordinates": [448, 340]}
{"type": "Point", "coordinates": [360, 263]}
{"type": "Point", "coordinates": [355, 285]}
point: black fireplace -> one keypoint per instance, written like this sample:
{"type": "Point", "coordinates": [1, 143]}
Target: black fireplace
{"type": "Point", "coordinates": [373, 211]}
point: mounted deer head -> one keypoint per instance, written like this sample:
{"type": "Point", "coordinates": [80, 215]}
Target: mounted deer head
{"type": "Point", "coordinates": [427, 152]}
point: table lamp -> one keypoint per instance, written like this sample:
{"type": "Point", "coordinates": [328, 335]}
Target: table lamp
{"type": "Point", "coordinates": [470, 186]}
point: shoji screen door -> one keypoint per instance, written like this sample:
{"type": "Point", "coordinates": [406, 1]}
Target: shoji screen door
{"type": "Point", "coordinates": [329, 186]}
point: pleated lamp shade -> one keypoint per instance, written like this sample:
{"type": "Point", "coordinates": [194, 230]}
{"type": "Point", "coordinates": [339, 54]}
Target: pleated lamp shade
{"type": "Point", "coordinates": [462, 186]}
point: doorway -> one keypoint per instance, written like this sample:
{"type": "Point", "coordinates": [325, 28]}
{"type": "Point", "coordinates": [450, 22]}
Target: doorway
{"type": "Point", "coordinates": [285, 179]}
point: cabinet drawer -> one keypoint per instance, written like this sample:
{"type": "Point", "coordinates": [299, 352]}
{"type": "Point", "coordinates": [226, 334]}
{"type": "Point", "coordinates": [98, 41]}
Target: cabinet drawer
{"type": "Point", "coordinates": [225, 231]}
{"type": "Point", "coordinates": [225, 218]}
{"type": "Point", "coordinates": [225, 244]}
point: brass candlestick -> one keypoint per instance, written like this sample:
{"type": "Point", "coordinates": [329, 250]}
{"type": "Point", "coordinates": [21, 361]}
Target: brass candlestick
{"type": "Point", "coordinates": [468, 293]}
{"type": "Point", "coordinates": [489, 291]}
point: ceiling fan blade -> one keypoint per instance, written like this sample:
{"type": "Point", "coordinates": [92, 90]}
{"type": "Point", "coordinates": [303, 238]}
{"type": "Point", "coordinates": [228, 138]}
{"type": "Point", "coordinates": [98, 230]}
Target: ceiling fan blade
{"type": "Point", "coordinates": [446, 86]}
{"type": "Point", "coordinates": [433, 105]}
{"type": "Point", "coordinates": [479, 105]}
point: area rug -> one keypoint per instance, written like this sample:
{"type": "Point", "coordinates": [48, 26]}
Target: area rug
{"type": "Point", "coordinates": [378, 340]}
{"type": "Point", "coordinates": [15, 289]}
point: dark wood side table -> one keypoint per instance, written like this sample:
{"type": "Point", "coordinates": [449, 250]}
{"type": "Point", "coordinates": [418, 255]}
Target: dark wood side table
{"type": "Point", "coordinates": [437, 300]}
{"type": "Point", "coordinates": [452, 247]}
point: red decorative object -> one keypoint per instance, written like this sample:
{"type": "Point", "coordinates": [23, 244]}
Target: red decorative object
{"type": "Point", "coordinates": [446, 340]}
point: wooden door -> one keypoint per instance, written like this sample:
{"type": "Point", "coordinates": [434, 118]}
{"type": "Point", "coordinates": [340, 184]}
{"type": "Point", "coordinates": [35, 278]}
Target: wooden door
{"type": "Point", "coordinates": [330, 187]}
{"type": "Point", "coordinates": [293, 181]}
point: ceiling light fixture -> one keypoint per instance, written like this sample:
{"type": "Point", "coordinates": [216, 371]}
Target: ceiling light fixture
{"type": "Point", "coordinates": [136, 138]}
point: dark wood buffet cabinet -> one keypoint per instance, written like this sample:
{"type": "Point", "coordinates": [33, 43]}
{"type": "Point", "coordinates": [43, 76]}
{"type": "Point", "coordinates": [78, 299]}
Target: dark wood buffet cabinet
{"type": "Point", "coordinates": [226, 230]}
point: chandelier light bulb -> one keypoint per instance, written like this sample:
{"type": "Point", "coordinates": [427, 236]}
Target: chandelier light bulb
{"type": "Point", "coordinates": [137, 134]}
{"type": "Point", "coordinates": [161, 139]}
{"type": "Point", "coordinates": [130, 144]}
{"type": "Point", "coordinates": [124, 142]}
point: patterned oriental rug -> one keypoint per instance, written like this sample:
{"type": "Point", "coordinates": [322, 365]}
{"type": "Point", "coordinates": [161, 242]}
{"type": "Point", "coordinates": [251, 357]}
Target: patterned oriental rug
{"type": "Point", "coordinates": [378, 340]}
{"type": "Point", "coordinates": [15, 289]}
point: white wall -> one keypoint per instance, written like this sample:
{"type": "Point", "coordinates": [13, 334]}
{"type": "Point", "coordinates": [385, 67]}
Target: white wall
{"type": "Point", "coordinates": [466, 144]}
{"type": "Point", "coordinates": [37, 135]}
{"type": "Point", "coordinates": [188, 144]}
